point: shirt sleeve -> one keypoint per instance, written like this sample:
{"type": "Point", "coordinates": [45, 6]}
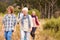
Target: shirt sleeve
{"type": "Point", "coordinates": [4, 19]}
{"type": "Point", "coordinates": [15, 21]}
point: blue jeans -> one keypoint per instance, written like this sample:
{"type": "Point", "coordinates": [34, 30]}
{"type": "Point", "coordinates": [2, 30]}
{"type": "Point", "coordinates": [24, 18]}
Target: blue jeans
{"type": "Point", "coordinates": [25, 35]}
{"type": "Point", "coordinates": [8, 35]}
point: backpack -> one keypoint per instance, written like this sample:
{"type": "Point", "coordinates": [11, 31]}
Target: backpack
{"type": "Point", "coordinates": [28, 20]}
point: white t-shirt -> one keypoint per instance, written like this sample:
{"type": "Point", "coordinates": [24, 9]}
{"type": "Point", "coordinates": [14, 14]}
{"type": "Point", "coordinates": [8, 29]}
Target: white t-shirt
{"type": "Point", "coordinates": [34, 22]}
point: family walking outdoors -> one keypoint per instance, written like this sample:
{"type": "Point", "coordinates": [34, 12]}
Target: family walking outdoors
{"type": "Point", "coordinates": [28, 23]}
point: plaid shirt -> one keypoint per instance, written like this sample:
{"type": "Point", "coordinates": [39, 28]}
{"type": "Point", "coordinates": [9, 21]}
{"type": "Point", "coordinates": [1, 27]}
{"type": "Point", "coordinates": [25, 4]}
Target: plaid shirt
{"type": "Point", "coordinates": [9, 22]}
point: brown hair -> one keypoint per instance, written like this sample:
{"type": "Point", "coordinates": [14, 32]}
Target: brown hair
{"type": "Point", "coordinates": [11, 9]}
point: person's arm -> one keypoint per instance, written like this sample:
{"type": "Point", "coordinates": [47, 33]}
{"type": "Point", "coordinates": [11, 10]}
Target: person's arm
{"type": "Point", "coordinates": [31, 23]}
{"type": "Point", "coordinates": [38, 21]}
{"type": "Point", "coordinates": [15, 22]}
{"type": "Point", "coordinates": [3, 22]}
{"type": "Point", "coordinates": [18, 18]}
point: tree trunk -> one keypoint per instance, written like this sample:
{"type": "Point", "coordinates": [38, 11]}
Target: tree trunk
{"type": "Point", "coordinates": [45, 9]}
{"type": "Point", "coordinates": [52, 11]}
{"type": "Point", "coordinates": [49, 12]}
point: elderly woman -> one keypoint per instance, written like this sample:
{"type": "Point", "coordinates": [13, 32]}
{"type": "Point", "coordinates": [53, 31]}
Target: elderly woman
{"type": "Point", "coordinates": [9, 22]}
{"type": "Point", "coordinates": [25, 24]}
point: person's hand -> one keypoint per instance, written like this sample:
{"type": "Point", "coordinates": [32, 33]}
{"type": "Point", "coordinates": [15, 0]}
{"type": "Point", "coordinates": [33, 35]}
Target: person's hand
{"type": "Point", "coordinates": [30, 29]}
{"type": "Point", "coordinates": [3, 29]}
{"type": "Point", "coordinates": [12, 30]}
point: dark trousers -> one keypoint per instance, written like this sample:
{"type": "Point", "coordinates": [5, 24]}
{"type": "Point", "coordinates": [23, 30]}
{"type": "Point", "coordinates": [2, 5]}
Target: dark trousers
{"type": "Point", "coordinates": [33, 32]}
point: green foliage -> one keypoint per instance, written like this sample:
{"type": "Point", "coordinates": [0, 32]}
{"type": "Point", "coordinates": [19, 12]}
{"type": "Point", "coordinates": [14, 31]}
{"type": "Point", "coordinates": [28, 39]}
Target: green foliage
{"type": "Point", "coordinates": [3, 6]}
{"type": "Point", "coordinates": [16, 10]}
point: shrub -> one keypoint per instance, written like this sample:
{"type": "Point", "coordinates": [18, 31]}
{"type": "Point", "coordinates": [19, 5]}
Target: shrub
{"type": "Point", "coordinates": [52, 24]}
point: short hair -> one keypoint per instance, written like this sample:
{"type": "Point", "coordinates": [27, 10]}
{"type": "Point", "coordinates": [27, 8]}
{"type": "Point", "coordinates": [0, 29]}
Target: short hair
{"type": "Point", "coordinates": [25, 8]}
{"type": "Point", "coordinates": [11, 9]}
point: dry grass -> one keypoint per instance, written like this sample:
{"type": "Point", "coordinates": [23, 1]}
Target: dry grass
{"type": "Point", "coordinates": [16, 34]}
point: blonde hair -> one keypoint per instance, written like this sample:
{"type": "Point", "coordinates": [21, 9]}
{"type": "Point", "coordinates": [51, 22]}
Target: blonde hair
{"type": "Point", "coordinates": [33, 11]}
{"type": "Point", "coordinates": [11, 9]}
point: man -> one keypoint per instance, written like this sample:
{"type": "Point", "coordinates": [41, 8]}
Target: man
{"type": "Point", "coordinates": [25, 24]}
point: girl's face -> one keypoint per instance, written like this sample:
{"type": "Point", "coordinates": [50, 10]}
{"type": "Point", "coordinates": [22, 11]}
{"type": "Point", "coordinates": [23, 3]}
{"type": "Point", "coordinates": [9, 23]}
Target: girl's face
{"type": "Point", "coordinates": [33, 13]}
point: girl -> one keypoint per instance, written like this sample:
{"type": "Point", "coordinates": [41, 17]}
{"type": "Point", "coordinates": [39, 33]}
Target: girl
{"type": "Point", "coordinates": [35, 24]}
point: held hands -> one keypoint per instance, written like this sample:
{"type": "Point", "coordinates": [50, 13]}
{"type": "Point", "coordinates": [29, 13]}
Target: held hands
{"type": "Point", "coordinates": [30, 29]}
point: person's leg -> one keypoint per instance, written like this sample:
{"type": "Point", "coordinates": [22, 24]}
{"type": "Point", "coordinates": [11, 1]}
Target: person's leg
{"type": "Point", "coordinates": [28, 35]}
{"type": "Point", "coordinates": [9, 34]}
{"type": "Point", "coordinates": [25, 35]}
{"type": "Point", "coordinates": [5, 34]}
{"type": "Point", "coordinates": [22, 35]}
{"type": "Point", "coordinates": [33, 32]}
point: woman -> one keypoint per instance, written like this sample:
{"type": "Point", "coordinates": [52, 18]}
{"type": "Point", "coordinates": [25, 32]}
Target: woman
{"type": "Point", "coordinates": [35, 24]}
{"type": "Point", "coordinates": [9, 22]}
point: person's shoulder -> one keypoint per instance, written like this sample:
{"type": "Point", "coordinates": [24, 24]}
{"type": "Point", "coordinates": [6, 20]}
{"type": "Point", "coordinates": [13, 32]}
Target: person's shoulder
{"type": "Point", "coordinates": [36, 16]}
{"type": "Point", "coordinates": [13, 15]}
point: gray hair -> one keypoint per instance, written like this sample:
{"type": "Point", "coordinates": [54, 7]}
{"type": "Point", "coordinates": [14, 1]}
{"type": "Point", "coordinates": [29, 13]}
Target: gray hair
{"type": "Point", "coordinates": [25, 8]}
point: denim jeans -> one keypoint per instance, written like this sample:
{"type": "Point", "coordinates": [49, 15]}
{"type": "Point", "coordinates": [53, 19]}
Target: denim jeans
{"type": "Point", "coordinates": [25, 35]}
{"type": "Point", "coordinates": [8, 35]}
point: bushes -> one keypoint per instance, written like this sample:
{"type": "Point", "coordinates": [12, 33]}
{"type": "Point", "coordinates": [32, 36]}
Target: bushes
{"type": "Point", "coordinates": [52, 27]}
{"type": "Point", "coordinates": [52, 24]}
